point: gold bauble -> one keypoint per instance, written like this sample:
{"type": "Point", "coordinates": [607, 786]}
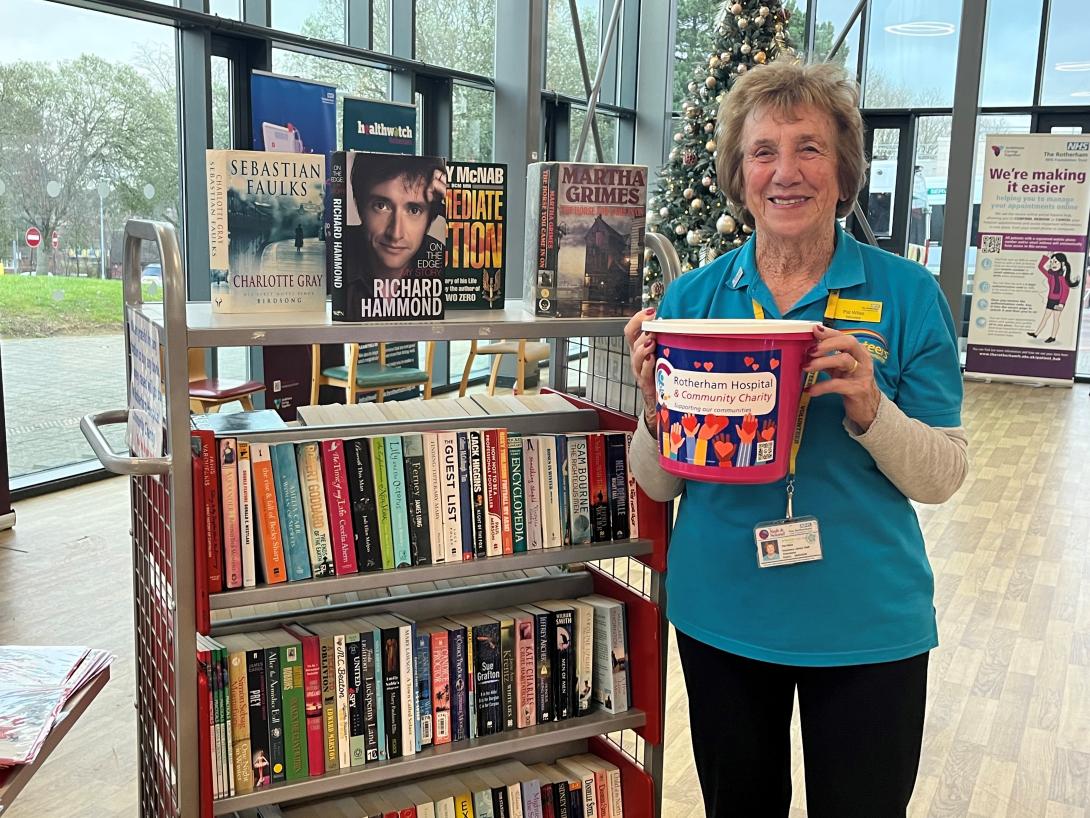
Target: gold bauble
{"type": "Point", "coordinates": [760, 57]}
{"type": "Point", "coordinates": [709, 146]}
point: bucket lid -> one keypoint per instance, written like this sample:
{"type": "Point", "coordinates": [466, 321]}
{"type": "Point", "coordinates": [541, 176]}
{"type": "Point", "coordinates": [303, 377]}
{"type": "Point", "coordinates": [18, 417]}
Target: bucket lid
{"type": "Point", "coordinates": [729, 326]}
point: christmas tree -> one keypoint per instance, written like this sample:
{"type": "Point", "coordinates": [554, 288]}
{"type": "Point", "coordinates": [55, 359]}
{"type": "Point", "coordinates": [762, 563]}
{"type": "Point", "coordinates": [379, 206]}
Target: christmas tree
{"type": "Point", "coordinates": [687, 206]}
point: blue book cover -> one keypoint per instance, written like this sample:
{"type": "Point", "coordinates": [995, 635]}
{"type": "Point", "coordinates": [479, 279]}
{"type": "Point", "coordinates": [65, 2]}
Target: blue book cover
{"type": "Point", "coordinates": [459, 682]}
{"type": "Point", "coordinates": [563, 483]}
{"type": "Point", "coordinates": [465, 495]}
{"type": "Point", "coordinates": [399, 507]}
{"type": "Point", "coordinates": [380, 707]}
{"type": "Point", "coordinates": [422, 666]}
{"type": "Point", "coordinates": [370, 693]}
{"type": "Point", "coordinates": [289, 503]}
{"type": "Point", "coordinates": [518, 495]}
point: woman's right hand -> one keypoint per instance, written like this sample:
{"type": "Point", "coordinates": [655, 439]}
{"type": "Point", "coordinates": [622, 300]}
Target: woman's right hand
{"type": "Point", "coordinates": [642, 353]}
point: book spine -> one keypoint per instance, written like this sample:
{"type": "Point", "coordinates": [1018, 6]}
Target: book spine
{"type": "Point", "coordinates": [212, 528]}
{"type": "Point", "coordinates": [313, 700]}
{"type": "Point", "coordinates": [563, 486]}
{"type": "Point", "coordinates": [486, 658]}
{"type": "Point", "coordinates": [339, 506]}
{"type": "Point", "coordinates": [399, 507]}
{"type": "Point", "coordinates": [417, 499]}
{"type": "Point", "coordinates": [575, 799]}
{"type": "Point", "coordinates": [257, 697]}
{"type": "Point", "coordinates": [225, 704]}
{"type": "Point", "coordinates": [578, 497]}
{"type": "Point", "coordinates": [409, 716]}
{"type": "Point", "coordinates": [531, 799]}
{"type": "Point", "coordinates": [543, 206]}
{"type": "Point", "coordinates": [499, 803]}
{"type": "Point", "coordinates": [340, 659]}
{"type": "Point", "coordinates": [548, 801]}
{"type": "Point", "coordinates": [583, 638]}
{"type": "Point", "coordinates": [601, 793]}
{"type": "Point", "coordinates": [514, 800]}
{"type": "Point", "coordinates": [440, 686]}
{"type": "Point", "coordinates": [616, 795]}
{"type": "Point", "coordinates": [476, 485]}
{"type": "Point", "coordinates": [422, 670]}
{"type": "Point", "coordinates": [508, 676]}
{"type": "Point", "coordinates": [525, 668]}
{"type": "Point", "coordinates": [335, 242]}
{"type": "Point", "coordinates": [329, 704]}
{"type": "Point", "coordinates": [273, 682]}
{"type": "Point", "coordinates": [361, 490]}
{"type": "Point", "coordinates": [315, 511]}
{"type": "Point", "coordinates": [505, 493]}
{"type": "Point", "coordinates": [382, 501]}
{"type": "Point", "coordinates": [295, 727]}
{"type": "Point", "coordinates": [240, 723]}
{"type": "Point", "coordinates": [290, 505]}
{"type": "Point", "coordinates": [459, 684]}
{"type": "Point", "coordinates": [618, 642]}
{"type": "Point", "coordinates": [601, 521]}
{"type": "Point", "coordinates": [518, 492]}
{"type": "Point", "coordinates": [366, 696]}
{"type": "Point", "coordinates": [561, 624]}
{"type": "Point", "coordinates": [216, 165]}
{"type": "Point", "coordinates": [391, 679]}
{"type": "Point", "coordinates": [433, 472]}
{"type": "Point", "coordinates": [232, 533]}
{"type": "Point", "coordinates": [463, 805]}
{"type": "Point", "coordinates": [380, 695]}
{"type": "Point", "coordinates": [544, 684]}
{"type": "Point", "coordinates": [633, 514]}
{"type": "Point", "coordinates": [471, 685]}
{"type": "Point", "coordinates": [532, 483]}
{"type": "Point", "coordinates": [563, 801]}
{"type": "Point", "coordinates": [465, 497]}
{"type": "Point", "coordinates": [550, 494]}
{"type": "Point", "coordinates": [215, 722]}
{"type": "Point", "coordinates": [493, 512]}
{"type": "Point", "coordinates": [617, 470]}
{"type": "Point", "coordinates": [354, 663]}
{"type": "Point", "coordinates": [482, 804]}
{"type": "Point", "coordinates": [452, 520]}
{"type": "Point", "coordinates": [246, 515]}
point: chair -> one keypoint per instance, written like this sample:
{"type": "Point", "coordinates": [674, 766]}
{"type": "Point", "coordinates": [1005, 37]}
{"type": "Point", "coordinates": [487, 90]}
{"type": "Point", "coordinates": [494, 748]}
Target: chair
{"type": "Point", "coordinates": [526, 351]}
{"type": "Point", "coordinates": [209, 394]}
{"type": "Point", "coordinates": [356, 377]}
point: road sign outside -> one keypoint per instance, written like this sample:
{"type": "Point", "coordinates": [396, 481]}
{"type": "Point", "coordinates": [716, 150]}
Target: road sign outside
{"type": "Point", "coordinates": [33, 237]}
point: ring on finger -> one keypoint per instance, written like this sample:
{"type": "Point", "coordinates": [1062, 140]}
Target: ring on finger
{"type": "Point", "coordinates": [855, 366]}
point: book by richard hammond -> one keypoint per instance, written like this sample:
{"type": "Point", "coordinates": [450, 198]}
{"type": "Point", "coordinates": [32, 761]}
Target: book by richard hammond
{"type": "Point", "coordinates": [264, 231]}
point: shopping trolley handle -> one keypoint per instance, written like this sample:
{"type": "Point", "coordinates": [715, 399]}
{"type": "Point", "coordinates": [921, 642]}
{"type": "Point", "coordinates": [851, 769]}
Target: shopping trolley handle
{"type": "Point", "coordinates": [91, 426]}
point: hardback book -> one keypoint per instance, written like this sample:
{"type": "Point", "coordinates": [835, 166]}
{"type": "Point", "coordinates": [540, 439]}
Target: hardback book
{"type": "Point", "coordinates": [385, 253]}
{"type": "Point", "coordinates": [380, 476]}
{"type": "Point", "coordinates": [338, 506]}
{"type": "Point", "coordinates": [231, 501]}
{"type": "Point", "coordinates": [289, 502]}
{"type": "Point", "coordinates": [433, 468]}
{"type": "Point", "coordinates": [477, 491]}
{"type": "Point", "coordinates": [601, 519]}
{"type": "Point", "coordinates": [270, 539]}
{"type": "Point", "coordinates": [238, 705]}
{"type": "Point", "coordinates": [265, 224]}
{"type": "Point", "coordinates": [399, 507]}
{"type": "Point", "coordinates": [315, 511]}
{"type": "Point", "coordinates": [313, 705]}
{"type": "Point", "coordinates": [584, 239]}
{"type": "Point", "coordinates": [361, 491]}
{"type": "Point", "coordinates": [518, 492]}
{"type": "Point", "coordinates": [213, 545]}
{"type": "Point", "coordinates": [543, 656]}
{"type": "Point", "coordinates": [583, 638]}
{"type": "Point", "coordinates": [451, 497]}
{"type": "Point", "coordinates": [417, 499]}
{"type": "Point", "coordinates": [476, 207]}
{"type": "Point", "coordinates": [531, 474]}
{"type": "Point", "coordinates": [465, 497]}
{"type": "Point", "coordinates": [438, 640]}
{"type": "Point", "coordinates": [562, 654]}
{"type": "Point", "coordinates": [579, 496]}
{"type": "Point", "coordinates": [617, 475]}
{"type": "Point", "coordinates": [609, 685]}
{"type": "Point", "coordinates": [246, 521]}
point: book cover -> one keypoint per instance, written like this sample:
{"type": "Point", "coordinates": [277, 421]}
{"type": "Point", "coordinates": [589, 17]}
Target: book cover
{"type": "Point", "coordinates": [271, 543]}
{"type": "Point", "coordinates": [465, 497]}
{"type": "Point", "coordinates": [583, 640]}
{"type": "Point", "coordinates": [294, 706]}
{"type": "Point", "coordinates": [313, 703]}
{"type": "Point", "coordinates": [585, 237]}
{"type": "Point", "coordinates": [617, 474]}
{"type": "Point", "coordinates": [579, 496]}
{"type": "Point", "coordinates": [354, 663]}
{"type": "Point", "coordinates": [562, 657]}
{"type": "Point", "coordinates": [433, 468]}
{"type": "Point", "coordinates": [532, 484]}
{"type": "Point", "coordinates": [379, 475]}
{"type": "Point", "coordinates": [543, 654]}
{"type": "Point", "coordinates": [525, 668]}
{"type": "Point", "coordinates": [451, 497]}
{"type": "Point", "coordinates": [391, 680]}
{"type": "Point", "coordinates": [289, 503]}
{"type": "Point", "coordinates": [273, 682]}
{"type": "Point", "coordinates": [240, 714]}
{"type": "Point", "coordinates": [505, 492]}
{"type": "Point", "coordinates": [338, 506]}
{"type": "Point", "coordinates": [476, 209]}
{"type": "Point", "coordinates": [410, 717]}
{"type": "Point", "coordinates": [329, 698]}
{"type": "Point", "coordinates": [361, 492]}
{"type": "Point", "coordinates": [492, 502]}
{"type": "Point", "coordinates": [370, 692]}
{"type": "Point", "coordinates": [228, 424]}
{"type": "Point", "coordinates": [633, 505]}
{"type": "Point", "coordinates": [385, 255]}
{"type": "Point", "coordinates": [417, 499]}
{"type": "Point", "coordinates": [439, 655]}
{"type": "Point", "coordinates": [518, 492]}
{"type": "Point", "coordinates": [399, 507]}
{"type": "Point", "coordinates": [258, 701]}
{"type": "Point", "coordinates": [457, 643]}
{"type": "Point", "coordinates": [563, 486]}
{"type": "Point", "coordinates": [601, 519]}
{"type": "Point", "coordinates": [609, 683]}
{"type": "Point", "coordinates": [553, 536]}
{"type": "Point", "coordinates": [476, 488]}
{"type": "Point", "coordinates": [246, 520]}
{"type": "Point", "coordinates": [422, 669]}
{"type": "Point", "coordinates": [212, 528]}
{"type": "Point", "coordinates": [231, 501]}
{"type": "Point", "coordinates": [265, 222]}
{"type": "Point", "coordinates": [508, 675]}
{"type": "Point", "coordinates": [315, 510]}
{"type": "Point", "coordinates": [484, 633]}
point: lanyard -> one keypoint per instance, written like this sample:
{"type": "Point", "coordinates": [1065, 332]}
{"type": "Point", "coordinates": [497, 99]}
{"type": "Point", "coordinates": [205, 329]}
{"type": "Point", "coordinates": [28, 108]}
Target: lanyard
{"type": "Point", "coordinates": [804, 400]}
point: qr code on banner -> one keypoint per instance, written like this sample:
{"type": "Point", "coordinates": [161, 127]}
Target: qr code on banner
{"type": "Point", "coordinates": [991, 244]}
{"type": "Point", "coordinates": [765, 451]}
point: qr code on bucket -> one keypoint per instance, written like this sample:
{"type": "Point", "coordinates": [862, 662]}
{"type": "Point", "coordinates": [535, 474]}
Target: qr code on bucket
{"type": "Point", "coordinates": [991, 244]}
{"type": "Point", "coordinates": [765, 451]}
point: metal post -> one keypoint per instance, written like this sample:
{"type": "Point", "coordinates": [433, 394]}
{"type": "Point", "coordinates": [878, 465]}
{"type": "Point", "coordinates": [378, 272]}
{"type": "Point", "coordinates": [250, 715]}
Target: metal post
{"type": "Point", "coordinates": [101, 233]}
{"type": "Point", "coordinates": [581, 52]}
{"type": "Point", "coordinates": [592, 100]}
{"type": "Point", "coordinates": [839, 41]}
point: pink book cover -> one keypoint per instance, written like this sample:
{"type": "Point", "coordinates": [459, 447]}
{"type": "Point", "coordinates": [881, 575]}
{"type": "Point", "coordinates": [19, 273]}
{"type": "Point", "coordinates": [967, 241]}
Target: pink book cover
{"type": "Point", "coordinates": [339, 506]}
{"type": "Point", "coordinates": [525, 671]}
{"type": "Point", "coordinates": [232, 536]}
{"type": "Point", "coordinates": [440, 686]}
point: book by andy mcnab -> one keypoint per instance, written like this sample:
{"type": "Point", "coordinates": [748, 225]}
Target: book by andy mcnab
{"type": "Point", "coordinates": [476, 236]}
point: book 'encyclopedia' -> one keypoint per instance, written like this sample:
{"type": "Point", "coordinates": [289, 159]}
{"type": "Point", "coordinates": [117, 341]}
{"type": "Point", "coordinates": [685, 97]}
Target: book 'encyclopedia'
{"type": "Point", "coordinates": [476, 236]}
{"type": "Point", "coordinates": [584, 239]}
{"type": "Point", "coordinates": [388, 232]}
{"type": "Point", "coordinates": [265, 225]}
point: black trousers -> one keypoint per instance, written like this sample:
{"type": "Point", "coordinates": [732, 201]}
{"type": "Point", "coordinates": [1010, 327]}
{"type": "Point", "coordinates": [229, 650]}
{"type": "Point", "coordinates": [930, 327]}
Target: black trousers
{"type": "Point", "coordinates": [862, 726]}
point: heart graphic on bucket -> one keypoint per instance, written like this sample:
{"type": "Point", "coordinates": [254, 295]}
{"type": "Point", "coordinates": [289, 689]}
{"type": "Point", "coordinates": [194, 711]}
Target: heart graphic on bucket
{"type": "Point", "coordinates": [728, 396]}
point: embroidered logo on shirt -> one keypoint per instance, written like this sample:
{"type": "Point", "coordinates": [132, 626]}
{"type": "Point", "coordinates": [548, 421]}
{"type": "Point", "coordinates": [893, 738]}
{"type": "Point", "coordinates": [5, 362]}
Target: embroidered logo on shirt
{"type": "Point", "coordinates": [874, 342]}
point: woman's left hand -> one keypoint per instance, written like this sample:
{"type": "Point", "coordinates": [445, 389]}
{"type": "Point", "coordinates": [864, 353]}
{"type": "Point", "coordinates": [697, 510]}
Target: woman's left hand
{"type": "Point", "coordinates": [851, 374]}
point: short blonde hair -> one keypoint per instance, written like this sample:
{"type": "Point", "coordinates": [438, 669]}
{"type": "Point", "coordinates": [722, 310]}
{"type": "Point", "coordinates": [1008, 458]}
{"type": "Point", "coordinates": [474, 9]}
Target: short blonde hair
{"type": "Point", "coordinates": [783, 88]}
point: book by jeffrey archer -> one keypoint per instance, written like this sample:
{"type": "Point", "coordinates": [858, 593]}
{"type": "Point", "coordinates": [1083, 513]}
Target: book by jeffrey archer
{"type": "Point", "coordinates": [388, 231]}
{"type": "Point", "coordinates": [476, 235]}
{"type": "Point", "coordinates": [264, 231]}
{"type": "Point", "coordinates": [584, 238]}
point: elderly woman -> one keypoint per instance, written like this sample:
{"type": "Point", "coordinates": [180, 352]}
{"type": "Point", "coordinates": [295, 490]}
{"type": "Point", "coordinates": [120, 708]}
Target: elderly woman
{"type": "Point", "coordinates": [849, 628]}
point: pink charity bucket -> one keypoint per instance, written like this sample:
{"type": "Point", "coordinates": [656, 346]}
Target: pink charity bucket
{"type": "Point", "coordinates": [728, 396]}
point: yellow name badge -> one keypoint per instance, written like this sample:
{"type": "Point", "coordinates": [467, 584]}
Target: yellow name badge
{"type": "Point", "coordinates": [850, 309]}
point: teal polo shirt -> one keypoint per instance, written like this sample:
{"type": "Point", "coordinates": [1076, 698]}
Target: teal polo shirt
{"type": "Point", "coordinates": [871, 598]}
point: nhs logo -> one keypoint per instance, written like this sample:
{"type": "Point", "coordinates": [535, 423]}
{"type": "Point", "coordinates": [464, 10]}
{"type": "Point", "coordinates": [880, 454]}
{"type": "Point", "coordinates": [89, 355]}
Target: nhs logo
{"type": "Point", "coordinates": [1078, 146]}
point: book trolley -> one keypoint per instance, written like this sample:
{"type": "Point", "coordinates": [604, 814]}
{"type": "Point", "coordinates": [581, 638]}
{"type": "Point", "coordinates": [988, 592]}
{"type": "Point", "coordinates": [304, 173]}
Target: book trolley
{"type": "Point", "coordinates": [172, 603]}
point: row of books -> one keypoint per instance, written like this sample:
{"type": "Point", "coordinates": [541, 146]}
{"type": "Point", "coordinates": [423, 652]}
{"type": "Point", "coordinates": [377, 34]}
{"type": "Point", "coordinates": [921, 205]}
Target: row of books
{"type": "Point", "coordinates": [292, 511]}
{"type": "Point", "coordinates": [307, 699]}
{"type": "Point", "coordinates": [579, 786]}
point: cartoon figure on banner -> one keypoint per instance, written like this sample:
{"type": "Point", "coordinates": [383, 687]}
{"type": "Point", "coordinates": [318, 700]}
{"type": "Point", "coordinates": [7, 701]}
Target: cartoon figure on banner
{"type": "Point", "coordinates": [1061, 279]}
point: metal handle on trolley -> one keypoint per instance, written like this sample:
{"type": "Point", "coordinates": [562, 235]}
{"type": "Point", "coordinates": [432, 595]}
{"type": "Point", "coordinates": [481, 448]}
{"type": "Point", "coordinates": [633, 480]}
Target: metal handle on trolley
{"type": "Point", "coordinates": [91, 425]}
{"type": "Point", "coordinates": [667, 256]}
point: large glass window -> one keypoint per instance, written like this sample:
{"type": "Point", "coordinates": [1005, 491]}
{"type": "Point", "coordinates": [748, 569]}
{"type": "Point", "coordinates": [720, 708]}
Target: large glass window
{"type": "Point", "coordinates": [1066, 79]}
{"type": "Point", "coordinates": [933, 162]}
{"type": "Point", "coordinates": [88, 139]}
{"type": "Point", "coordinates": [912, 53]}
{"type": "Point", "coordinates": [459, 34]}
{"type": "Point", "coordinates": [832, 15]}
{"type": "Point", "coordinates": [320, 19]}
{"type": "Point", "coordinates": [474, 112]}
{"type": "Point", "coordinates": [607, 131]}
{"type": "Point", "coordinates": [562, 72]}
{"type": "Point", "coordinates": [1010, 52]}
{"type": "Point", "coordinates": [231, 9]}
{"type": "Point", "coordinates": [693, 41]}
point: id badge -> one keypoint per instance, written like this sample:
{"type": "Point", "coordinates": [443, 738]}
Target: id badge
{"type": "Point", "coordinates": [786, 542]}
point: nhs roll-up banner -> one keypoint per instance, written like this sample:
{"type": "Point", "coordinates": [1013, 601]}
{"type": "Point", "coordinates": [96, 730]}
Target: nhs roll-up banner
{"type": "Point", "coordinates": [290, 115]}
{"type": "Point", "coordinates": [378, 125]}
{"type": "Point", "coordinates": [1028, 280]}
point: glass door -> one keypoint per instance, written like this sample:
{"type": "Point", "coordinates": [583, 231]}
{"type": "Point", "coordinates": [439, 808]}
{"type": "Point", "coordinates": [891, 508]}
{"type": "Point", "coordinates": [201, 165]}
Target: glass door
{"type": "Point", "coordinates": [894, 199]}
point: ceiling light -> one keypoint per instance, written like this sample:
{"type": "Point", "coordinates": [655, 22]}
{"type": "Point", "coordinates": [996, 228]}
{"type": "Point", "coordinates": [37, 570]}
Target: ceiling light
{"type": "Point", "coordinates": [1080, 93]}
{"type": "Point", "coordinates": [922, 28]}
{"type": "Point", "coordinates": [1073, 66]}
